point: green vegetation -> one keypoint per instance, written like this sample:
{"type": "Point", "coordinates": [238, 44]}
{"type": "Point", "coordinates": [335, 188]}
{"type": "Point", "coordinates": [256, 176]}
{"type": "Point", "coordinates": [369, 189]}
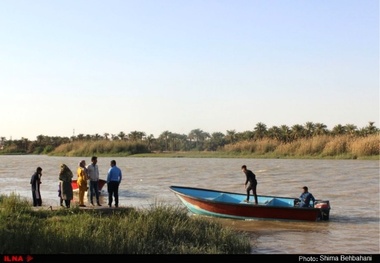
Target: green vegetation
{"type": "Point", "coordinates": [307, 141]}
{"type": "Point", "coordinates": [158, 230]}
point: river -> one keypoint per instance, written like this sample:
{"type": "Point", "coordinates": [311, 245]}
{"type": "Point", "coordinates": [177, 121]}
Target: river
{"type": "Point", "coordinates": [351, 186]}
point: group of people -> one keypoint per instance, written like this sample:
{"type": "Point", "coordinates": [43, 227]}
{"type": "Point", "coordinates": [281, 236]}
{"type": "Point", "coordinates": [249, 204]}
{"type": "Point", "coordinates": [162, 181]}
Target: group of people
{"type": "Point", "coordinates": [251, 185]}
{"type": "Point", "coordinates": [114, 176]}
{"type": "Point", "coordinates": [84, 174]}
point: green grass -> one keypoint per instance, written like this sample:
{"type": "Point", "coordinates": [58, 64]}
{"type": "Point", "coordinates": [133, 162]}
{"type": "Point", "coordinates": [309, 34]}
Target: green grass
{"type": "Point", "coordinates": [157, 230]}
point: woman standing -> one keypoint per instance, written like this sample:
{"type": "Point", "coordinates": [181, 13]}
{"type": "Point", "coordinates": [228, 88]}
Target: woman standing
{"type": "Point", "coordinates": [65, 178]}
{"type": "Point", "coordinates": [82, 182]}
{"type": "Point", "coordinates": [35, 181]}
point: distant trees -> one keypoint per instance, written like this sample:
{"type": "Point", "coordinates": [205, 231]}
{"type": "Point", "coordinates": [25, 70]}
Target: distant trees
{"type": "Point", "coordinates": [196, 139]}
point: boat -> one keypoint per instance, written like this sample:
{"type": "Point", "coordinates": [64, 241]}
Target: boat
{"type": "Point", "coordinates": [232, 205]}
{"type": "Point", "coordinates": [101, 183]}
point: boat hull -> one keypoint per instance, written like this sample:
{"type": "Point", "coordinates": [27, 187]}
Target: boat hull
{"type": "Point", "coordinates": [232, 205]}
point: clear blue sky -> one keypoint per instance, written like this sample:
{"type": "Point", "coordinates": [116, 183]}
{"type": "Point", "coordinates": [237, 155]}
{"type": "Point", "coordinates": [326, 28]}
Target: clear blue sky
{"type": "Point", "coordinates": [88, 67]}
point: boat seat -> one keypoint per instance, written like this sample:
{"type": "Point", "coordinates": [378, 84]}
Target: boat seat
{"type": "Point", "coordinates": [226, 198]}
{"type": "Point", "coordinates": [268, 202]}
{"type": "Point", "coordinates": [278, 202]}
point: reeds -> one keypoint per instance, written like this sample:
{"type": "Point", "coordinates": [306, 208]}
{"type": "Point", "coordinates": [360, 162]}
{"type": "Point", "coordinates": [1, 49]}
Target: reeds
{"type": "Point", "coordinates": [365, 146]}
{"type": "Point", "coordinates": [102, 147]}
{"type": "Point", "coordinates": [157, 230]}
{"type": "Point", "coordinates": [344, 146]}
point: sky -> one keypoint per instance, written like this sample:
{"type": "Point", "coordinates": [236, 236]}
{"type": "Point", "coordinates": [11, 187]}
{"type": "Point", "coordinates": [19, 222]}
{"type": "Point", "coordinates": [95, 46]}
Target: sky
{"type": "Point", "coordinates": [94, 67]}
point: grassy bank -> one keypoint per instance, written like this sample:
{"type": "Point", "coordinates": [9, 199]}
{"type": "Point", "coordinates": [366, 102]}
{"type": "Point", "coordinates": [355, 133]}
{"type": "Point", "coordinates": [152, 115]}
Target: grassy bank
{"type": "Point", "coordinates": [317, 147]}
{"type": "Point", "coordinates": [345, 146]}
{"type": "Point", "coordinates": [247, 155]}
{"type": "Point", "coordinates": [157, 230]}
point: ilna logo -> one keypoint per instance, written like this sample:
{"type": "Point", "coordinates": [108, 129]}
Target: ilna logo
{"type": "Point", "coordinates": [17, 258]}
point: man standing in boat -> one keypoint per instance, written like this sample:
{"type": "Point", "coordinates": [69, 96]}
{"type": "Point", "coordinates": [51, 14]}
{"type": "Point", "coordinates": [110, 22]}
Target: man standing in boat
{"type": "Point", "coordinates": [93, 174]}
{"type": "Point", "coordinates": [250, 183]}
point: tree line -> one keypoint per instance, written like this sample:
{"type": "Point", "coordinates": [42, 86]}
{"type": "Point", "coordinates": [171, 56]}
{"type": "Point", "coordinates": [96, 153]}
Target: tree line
{"type": "Point", "coordinates": [195, 140]}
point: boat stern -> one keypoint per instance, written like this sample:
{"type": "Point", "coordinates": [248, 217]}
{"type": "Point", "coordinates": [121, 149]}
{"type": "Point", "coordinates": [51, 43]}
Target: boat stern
{"type": "Point", "coordinates": [324, 209]}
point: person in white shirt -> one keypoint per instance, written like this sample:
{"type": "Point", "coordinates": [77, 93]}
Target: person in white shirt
{"type": "Point", "coordinates": [93, 174]}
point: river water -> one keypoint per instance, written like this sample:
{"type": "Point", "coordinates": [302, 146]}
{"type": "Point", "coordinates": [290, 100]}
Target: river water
{"type": "Point", "coordinates": [351, 186]}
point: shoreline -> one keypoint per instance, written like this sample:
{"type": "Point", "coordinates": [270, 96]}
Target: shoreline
{"type": "Point", "coordinates": [104, 209]}
{"type": "Point", "coordinates": [212, 155]}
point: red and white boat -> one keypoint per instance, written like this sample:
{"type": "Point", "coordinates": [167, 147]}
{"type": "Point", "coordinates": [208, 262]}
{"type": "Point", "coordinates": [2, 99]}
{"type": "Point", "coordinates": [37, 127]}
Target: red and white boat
{"type": "Point", "coordinates": [101, 183]}
{"type": "Point", "coordinates": [232, 205]}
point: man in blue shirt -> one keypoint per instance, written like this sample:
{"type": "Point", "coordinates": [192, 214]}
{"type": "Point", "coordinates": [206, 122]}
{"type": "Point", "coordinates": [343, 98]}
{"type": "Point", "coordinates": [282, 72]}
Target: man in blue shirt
{"type": "Point", "coordinates": [306, 197]}
{"type": "Point", "coordinates": [113, 181]}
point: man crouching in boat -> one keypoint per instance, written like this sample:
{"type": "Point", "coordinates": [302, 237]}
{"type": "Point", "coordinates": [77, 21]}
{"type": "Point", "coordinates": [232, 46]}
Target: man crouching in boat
{"type": "Point", "coordinates": [306, 197]}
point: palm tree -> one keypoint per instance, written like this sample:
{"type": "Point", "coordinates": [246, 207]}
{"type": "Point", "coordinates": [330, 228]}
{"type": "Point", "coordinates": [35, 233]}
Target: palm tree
{"type": "Point", "coordinates": [320, 129]}
{"type": "Point", "coordinates": [260, 130]}
{"type": "Point", "coordinates": [96, 136]}
{"type": "Point", "coordinates": [246, 135]}
{"type": "Point", "coordinates": [25, 143]}
{"type": "Point", "coordinates": [40, 139]}
{"type": "Point", "coordinates": [351, 129]}
{"type": "Point", "coordinates": [176, 141]}
{"type": "Point", "coordinates": [165, 137]}
{"type": "Point", "coordinates": [338, 130]}
{"type": "Point", "coordinates": [136, 136]}
{"type": "Point", "coordinates": [2, 143]}
{"type": "Point", "coordinates": [275, 133]}
{"type": "Point", "coordinates": [231, 136]}
{"type": "Point", "coordinates": [285, 133]}
{"type": "Point", "coordinates": [297, 132]}
{"type": "Point", "coordinates": [309, 129]}
{"type": "Point", "coordinates": [371, 128]}
{"type": "Point", "coordinates": [149, 140]}
{"type": "Point", "coordinates": [194, 135]}
{"type": "Point", "coordinates": [217, 140]}
{"type": "Point", "coordinates": [122, 135]}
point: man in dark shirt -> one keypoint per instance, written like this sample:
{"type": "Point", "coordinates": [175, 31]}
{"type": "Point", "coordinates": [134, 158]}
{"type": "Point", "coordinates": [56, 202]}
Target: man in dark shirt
{"type": "Point", "coordinates": [306, 197]}
{"type": "Point", "coordinates": [250, 183]}
{"type": "Point", "coordinates": [35, 181]}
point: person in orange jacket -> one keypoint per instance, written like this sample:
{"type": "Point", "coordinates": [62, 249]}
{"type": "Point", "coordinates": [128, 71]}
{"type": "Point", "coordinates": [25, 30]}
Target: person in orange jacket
{"type": "Point", "coordinates": [82, 181]}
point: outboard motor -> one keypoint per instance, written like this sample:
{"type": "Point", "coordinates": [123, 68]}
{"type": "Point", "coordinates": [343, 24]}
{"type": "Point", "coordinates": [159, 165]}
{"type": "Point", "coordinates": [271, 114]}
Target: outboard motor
{"type": "Point", "coordinates": [324, 209]}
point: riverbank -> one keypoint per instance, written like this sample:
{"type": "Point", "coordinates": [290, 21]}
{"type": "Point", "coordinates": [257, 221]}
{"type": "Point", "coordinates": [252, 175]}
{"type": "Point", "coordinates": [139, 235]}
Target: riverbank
{"type": "Point", "coordinates": [193, 154]}
{"type": "Point", "coordinates": [205, 154]}
{"type": "Point", "coordinates": [102, 230]}
{"type": "Point", "coordinates": [315, 147]}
